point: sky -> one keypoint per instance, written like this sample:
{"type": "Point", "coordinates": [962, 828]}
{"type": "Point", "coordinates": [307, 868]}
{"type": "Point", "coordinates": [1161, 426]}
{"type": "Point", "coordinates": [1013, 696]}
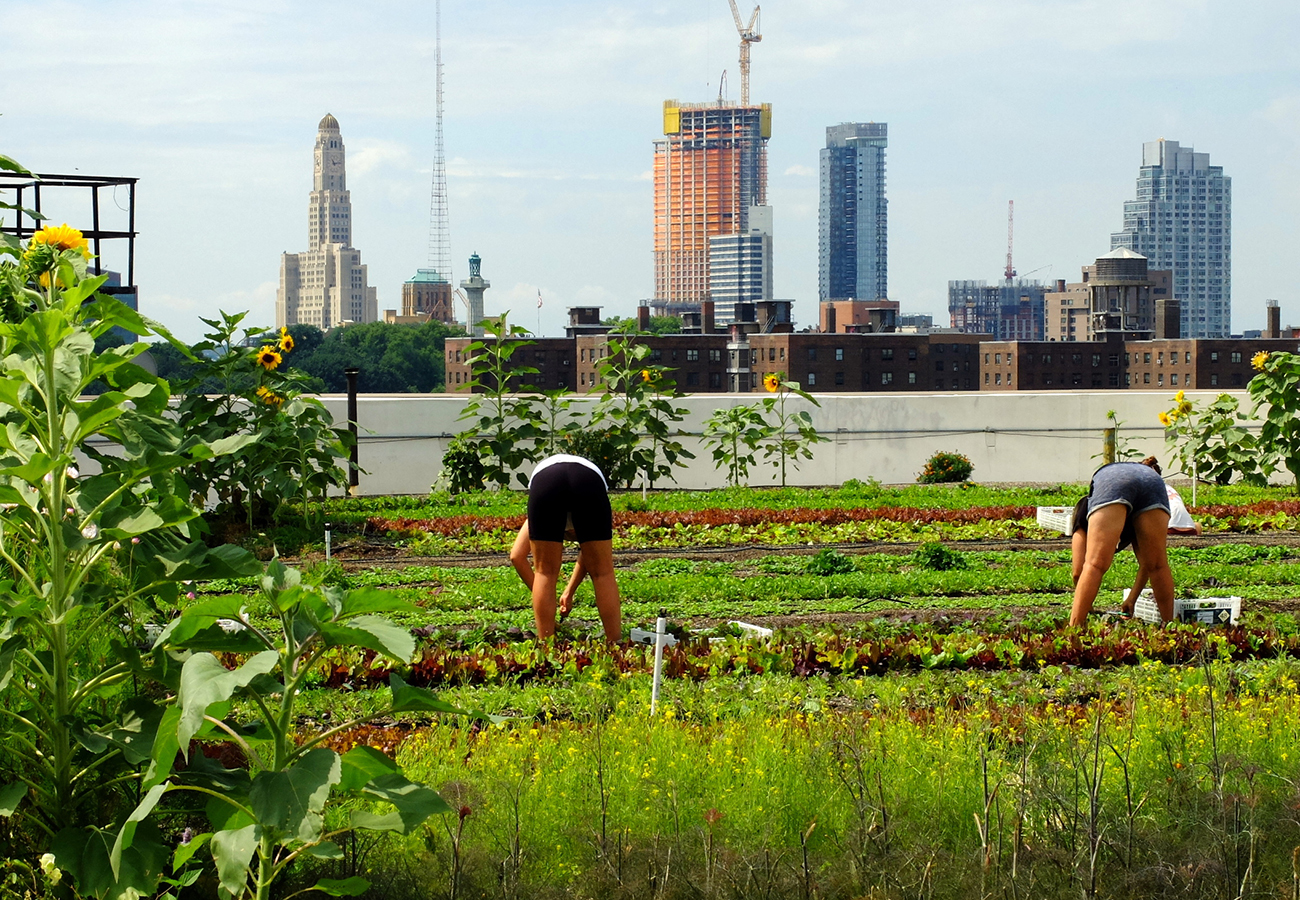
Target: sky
{"type": "Point", "coordinates": [551, 110]}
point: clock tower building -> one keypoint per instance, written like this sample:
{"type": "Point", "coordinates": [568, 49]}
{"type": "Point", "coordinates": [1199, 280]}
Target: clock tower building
{"type": "Point", "coordinates": [326, 286]}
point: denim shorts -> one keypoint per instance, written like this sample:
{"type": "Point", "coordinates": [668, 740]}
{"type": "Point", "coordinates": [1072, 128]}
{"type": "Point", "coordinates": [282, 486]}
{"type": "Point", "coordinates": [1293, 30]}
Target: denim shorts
{"type": "Point", "coordinates": [1138, 487]}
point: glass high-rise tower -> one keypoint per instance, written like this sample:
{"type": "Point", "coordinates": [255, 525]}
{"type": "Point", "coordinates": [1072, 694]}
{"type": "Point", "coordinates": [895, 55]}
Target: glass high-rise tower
{"type": "Point", "coordinates": [1182, 221]}
{"type": "Point", "coordinates": [852, 216]}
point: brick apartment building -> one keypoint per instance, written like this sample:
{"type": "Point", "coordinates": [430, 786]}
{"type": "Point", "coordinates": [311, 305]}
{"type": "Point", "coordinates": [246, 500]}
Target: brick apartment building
{"type": "Point", "coordinates": [1150, 365]}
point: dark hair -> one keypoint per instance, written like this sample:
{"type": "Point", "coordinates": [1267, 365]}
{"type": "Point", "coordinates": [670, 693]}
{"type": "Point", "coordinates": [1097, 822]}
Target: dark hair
{"type": "Point", "coordinates": [1151, 461]}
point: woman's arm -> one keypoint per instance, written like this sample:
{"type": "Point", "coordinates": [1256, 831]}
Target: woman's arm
{"type": "Point", "coordinates": [566, 599]}
{"type": "Point", "coordinates": [519, 556]}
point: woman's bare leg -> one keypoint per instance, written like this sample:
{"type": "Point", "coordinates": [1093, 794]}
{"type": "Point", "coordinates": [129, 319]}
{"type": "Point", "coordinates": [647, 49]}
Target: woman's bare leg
{"type": "Point", "coordinates": [547, 558]}
{"type": "Point", "coordinates": [1104, 528]}
{"type": "Point", "coordinates": [597, 558]}
{"type": "Point", "coordinates": [1152, 533]}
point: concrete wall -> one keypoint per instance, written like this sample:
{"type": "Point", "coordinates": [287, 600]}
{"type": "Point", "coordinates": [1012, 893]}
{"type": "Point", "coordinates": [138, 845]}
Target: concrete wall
{"type": "Point", "coordinates": [1009, 437]}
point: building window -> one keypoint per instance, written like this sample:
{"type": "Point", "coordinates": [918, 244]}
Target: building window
{"type": "Point", "coordinates": [997, 359]}
{"type": "Point", "coordinates": [715, 356]}
{"type": "Point", "coordinates": [1173, 379]}
{"type": "Point", "coordinates": [938, 348]}
{"type": "Point", "coordinates": [583, 378]}
{"type": "Point", "coordinates": [812, 378]}
{"type": "Point", "coordinates": [997, 378]}
{"type": "Point", "coordinates": [1236, 379]}
{"type": "Point", "coordinates": [1075, 378]}
{"type": "Point", "coordinates": [753, 357]}
{"type": "Point", "coordinates": [715, 379]}
{"type": "Point", "coordinates": [582, 357]}
{"type": "Point", "coordinates": [1047, 359]}
{"type": "Point", "coordinates": [938, 384]}
{"type": "Point", "coordinates": [812, 353]}
{"type": "Point", "coordinates": [1078, 359]}
{"type": "Point", "coordinates": [1187, 380]}
{"type": "Point", "coordinates": [938, 365]}
{"type": "Point", "coordinates": [1188, 356]}
{"type": "Point", "coordinates": [986, 359]}
{"type": "Point", "coordinates": [1236, 356]}
{"type": "Point", "coordinates": [1096, 360]}
{"type": "Point", "coordinates": [1214, 356]}
{"type": "Point", "coordinates": [782, 354]}
{"type": "Point", "coordinates": [887, 353]}
{"type": "Point", "coordinates": [1146, 357]}
{"type": "Point", "coordinates": [1160, 380]}
{"type": "Point", "coordinates": [656, 355]}
{"type": "Point", "coordinates": [1096, 379]}
{"type": "Point", "coordinates": [539, 356]}
{"type": "Point", "coordinates": [911, 352]}
{"type": "Point", "coordinates": [1214, 380]}
{"type": "Point", "coordinates": [839, 354]}
{"type": "Point", "coordinates": [911, 378]}
{"type": "Point", "coordinates": [1114, 359]}
{"type": "Point", "coordinates": [886, 377]}
{"type": "Point", "coordinates": [1128, 379]}
{"type": "Point", "coordinates": [839, 377]}
{"type": "Point", "coordinates": [692, 379]}
{"type": "Point", "coordinates": [1113, 378]}
{"type": "Point", "coordinates": [986, 377]}
{"type": "Point", "coordinates": [692, 356]}
{"type": "Point", "coordinates": [674, 353]}
{"type": "Point", "coordinates": [1146, 377]}
{"type": "Point", "coordinates": [771, 354]}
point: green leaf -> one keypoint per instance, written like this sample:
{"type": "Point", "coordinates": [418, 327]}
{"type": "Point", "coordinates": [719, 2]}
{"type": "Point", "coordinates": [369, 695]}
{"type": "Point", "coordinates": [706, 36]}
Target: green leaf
{"type": "Point", "coordinates": [10, 796]}
{"type": "Point", "coordinates": [232, 851]}
{"type": "Point", "coordinates": [205, 681]}
{"type": "Point", "coordinates": [412, 804]}
{"type": "Point", "coordinates": [165, 747]}
{"type": "Point", "coordinates": [11, 165]}
{"type": "Point", "coordinates": [362, 765]}
{"type": "Point", "coordinates": [126, 836]}
{"type": "Point", "coordinates": [184, 852]}
{"type": "Point", "coordinates": [292, 802]}
{"type": "Point", "coordinates": [324, 850]}
{"type": "Point", "coordinates": [342, 887]}
{"type": "Point", "coordinates": [373, 633]}
{"type": "Point", "coordinates": [413, 699]}
{"type": "Point", "coordinates": [374, 600]}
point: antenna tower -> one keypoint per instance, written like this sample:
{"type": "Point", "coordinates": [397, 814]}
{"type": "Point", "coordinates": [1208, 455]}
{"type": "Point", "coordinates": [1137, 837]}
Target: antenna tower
{"type": "Point", "coordinates": [1011, 211]}
{"type": "Point", "coordinates": [439, 226]}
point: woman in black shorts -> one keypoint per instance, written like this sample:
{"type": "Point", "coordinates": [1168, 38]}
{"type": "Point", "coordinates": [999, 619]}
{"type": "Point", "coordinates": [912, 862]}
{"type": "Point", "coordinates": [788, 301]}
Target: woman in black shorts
{"type": "Point", "coordinates": [567, 496]}
{"type": "Point", "coordinates": [1126, 503]}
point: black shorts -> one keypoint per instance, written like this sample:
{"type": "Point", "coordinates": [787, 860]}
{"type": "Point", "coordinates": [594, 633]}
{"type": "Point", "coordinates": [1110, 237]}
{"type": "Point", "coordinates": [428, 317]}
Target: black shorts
{"type": "Point", "coordinates": [569, 491]}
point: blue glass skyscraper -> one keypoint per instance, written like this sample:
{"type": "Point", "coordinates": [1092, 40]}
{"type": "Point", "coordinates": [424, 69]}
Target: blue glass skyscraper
{"type": "Point", "coordinates": [852, 218]}
{"type": "Point", "coordinates": [1182, 221]}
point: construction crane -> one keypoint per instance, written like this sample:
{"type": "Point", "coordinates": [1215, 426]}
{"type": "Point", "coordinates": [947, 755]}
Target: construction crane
{"type": "Point", "coordinates": [749, 34]}
{"type": "Point", "coordinates": [1011, 210]}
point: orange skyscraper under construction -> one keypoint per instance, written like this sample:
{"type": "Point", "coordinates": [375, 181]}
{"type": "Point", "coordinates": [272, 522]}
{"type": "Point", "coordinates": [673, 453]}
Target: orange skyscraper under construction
{"type": "Point", "coordinates": [710, 168]}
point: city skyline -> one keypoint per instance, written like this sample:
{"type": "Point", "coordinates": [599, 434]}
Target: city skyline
{"type": "Point", "coordinates": [549, 113]}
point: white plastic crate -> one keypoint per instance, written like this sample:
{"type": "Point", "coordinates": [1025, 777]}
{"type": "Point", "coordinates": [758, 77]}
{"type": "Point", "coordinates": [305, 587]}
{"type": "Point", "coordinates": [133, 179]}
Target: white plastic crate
{"type": "Point", "coordinates": [1204, 610]}
{"type": "Point", "coordinates": [1057, 518]}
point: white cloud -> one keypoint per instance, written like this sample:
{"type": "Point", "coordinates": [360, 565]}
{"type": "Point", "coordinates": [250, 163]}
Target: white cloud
{"type": "Point", "coordinates": [801, 171]}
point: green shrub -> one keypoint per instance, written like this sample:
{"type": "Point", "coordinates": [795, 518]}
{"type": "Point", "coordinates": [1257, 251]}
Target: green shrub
{"type": "Point", "coordinates": [829, 562]}
{"type": "Point", "coordinates": [945, 468]}
{"type": "Point", "coordinates": [606, 448]}
{"type": "Point", "coordinates": [938, 558]}
{"type": "Point", "coordinates": [463, 468]}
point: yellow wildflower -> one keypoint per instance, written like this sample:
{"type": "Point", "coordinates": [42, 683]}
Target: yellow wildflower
{"type": "Point", "coordinates": [1180, 397]}
{"type": "Point", "coordinates": [771, 382]}
{"type": "Point", "coordinates": [1257, 361]}
{"type": "Point", "coordinates": [286, 341]}
{"type": "Point", "coordinates": [268, 358]}
{"type": "Point", "coordinates": [60, 237]}
{"type": "Point", "coordinates": [1166, 420]}
{"type": "Point", "coordinates": [1185, 408]}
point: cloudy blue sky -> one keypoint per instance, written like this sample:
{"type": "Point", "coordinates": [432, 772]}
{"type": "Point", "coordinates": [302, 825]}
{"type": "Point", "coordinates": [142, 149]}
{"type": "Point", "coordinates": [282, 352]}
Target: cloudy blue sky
{"type": "Point", "coordinates": [551, 110]}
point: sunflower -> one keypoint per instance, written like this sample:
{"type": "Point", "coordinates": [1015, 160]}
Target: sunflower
{"type": "Point", "coordinates": [648, 376]}
{"type": "Point", "coordinates": [1179, 397]}
{"type": "Point", "coordinates": [771, 382]}
{"type": "Point", "coordinates": [269, 397]}
{"type": "Point", "coordinates": [1166, 420]}
{"type": "Point", "coordinates": [59, 237]}
{"type": "Point", "coordinates": [268, 358]}
{"type": "Point", "coordinates": [286, 341]}
{"type": "Point", "coordinates": [1257, 361]}
{"type": "Point", "coordinates": [1185, 408]}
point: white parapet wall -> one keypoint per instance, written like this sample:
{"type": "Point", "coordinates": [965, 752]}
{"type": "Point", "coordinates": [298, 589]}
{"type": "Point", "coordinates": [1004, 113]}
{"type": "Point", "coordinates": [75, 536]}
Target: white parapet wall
{"type": "Point", "coordinates": [1023, 436]}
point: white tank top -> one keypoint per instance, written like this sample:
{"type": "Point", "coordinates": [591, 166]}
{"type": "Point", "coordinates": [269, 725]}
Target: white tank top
{"type": "Point", "coordinates": [568, 458]}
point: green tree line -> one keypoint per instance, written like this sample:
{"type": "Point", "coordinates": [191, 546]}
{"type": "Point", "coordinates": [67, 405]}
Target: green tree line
{"type": "Point", "coordinates": [393, 359]}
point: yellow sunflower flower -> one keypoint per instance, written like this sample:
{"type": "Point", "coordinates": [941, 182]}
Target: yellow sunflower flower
{"type": "Point", "coordinates": [1179, 397]}
{"type": "Point", "coordinates": [1185, 408]}
{"type": "Point", "coordinates": [268, 358]}
{"type": "Point", "coordinates": [269, 397]}
{"type": "Point", "coordinates": [1257, 361]}
{"type": "Point", "coordinates": [1166, 420]}
{"type": "Point", "coordinates": [771, 382]}
{"type": "Point", "coordinates": [648, 376]}
{"type": "Point", "coordinates": [286, 341]}
{"type": "Point", "coordinates": [60, 237]}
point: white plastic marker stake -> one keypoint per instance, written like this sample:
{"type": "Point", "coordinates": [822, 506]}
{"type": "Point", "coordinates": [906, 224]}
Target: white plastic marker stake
{"type": "Point", "coordinates": [661, 631]}
{"type": "Point", "coordinates": [327, 542]}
